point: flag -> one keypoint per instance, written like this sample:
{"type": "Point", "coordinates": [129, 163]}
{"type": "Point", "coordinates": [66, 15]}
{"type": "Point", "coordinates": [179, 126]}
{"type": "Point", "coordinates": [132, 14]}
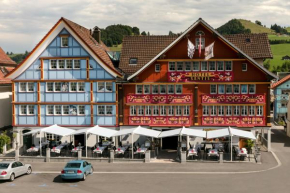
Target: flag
{"type": "Point", "coordinates": [190, 49]}
{"type": "Point", "coordinates": [199, 46]}
{"type": "Point", "coordinates": [208, 51]}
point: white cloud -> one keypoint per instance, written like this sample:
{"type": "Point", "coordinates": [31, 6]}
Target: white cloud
{"type": "Point", "coordinates": [32, 19]}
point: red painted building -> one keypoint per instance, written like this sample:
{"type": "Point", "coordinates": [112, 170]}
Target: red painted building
{"type": "Point", "coordinates": [165, 88]}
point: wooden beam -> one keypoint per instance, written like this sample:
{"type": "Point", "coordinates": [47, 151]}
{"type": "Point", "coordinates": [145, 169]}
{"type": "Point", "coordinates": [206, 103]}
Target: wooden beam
{"type": "Point", "coordinates": [64, 103]}
{"type": "Point", "coordinates": [104, 80]}
{"type": "Point", "coordinates": [64, 58]}
{"type": "Point", "coordinates": [190, 60]}
{"type": "Point", "coordinates": [41, 69]}
{"type": "Point", "coordinates": [191, 83]}
{"type": "Point", "coordinates": [88, 69]}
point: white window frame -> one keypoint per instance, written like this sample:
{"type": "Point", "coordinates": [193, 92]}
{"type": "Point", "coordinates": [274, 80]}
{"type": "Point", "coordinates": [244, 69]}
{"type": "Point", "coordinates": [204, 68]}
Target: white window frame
{"type": "Point", "coordinates": [148, 89]}
{"type": "Point", "coordinates": [148, 111]}
{"type": "Point", "coordinates": [28, 110]}
{"type": "Point", "coordinates": [236, 110]}
{"type": "Point", "coordinates": [171, 110]}
{"type": "Point", "coordinates": [154, 109]}
{"type": "Point", "coordinates": [140, 110]}
{"type": "Point", "coordinates": [212, 62]}
{"type": "Point", "coordinates": [186, 65]}
{"type": "Point", "coordinates": [55, 109]}
{"type": "Point", "coordinates": [198, 66]}
{"type": "Point", "coordinates": [133, 109]}
{"type": "Point", "coordinates": [47, 87]}
{"type": "Point", "coordinates": [254, 89]}
{"type": "Point", "coordinates": [226, 65]}
{"type": "Point", "coordinates": [234, 89]}
{"type": "Point", "coordinates": [20, 110]}
{"type": "Point", "coordinates": [84, 86]}
{"type": "Point", "coordinates": [79, 106]}
{"type": "Point", "coordinates": [221, 85]}
{"type": "Point", "coordinates": [229, 109]}
{"type": "Point", "coordinates": [242, 90]}
{"type": "Point", "coordinates": [163, 111]}
{"type": "Point", "coordinates": [104, 86]}
{"type": "Point", "coordinates": [178, 111]}
{"type": "Point", "coordinates": [70, 86]}
{"type": "Point", "coordinates": [260, 111]}
{"type": "Point", "coordinates": [61, 40]}
{"type": "Point", "coordinates": [74, 64]}
{"type": "Point", "coordinates": [104, 108]}
{"type": "Point", "coordinates": [160, 89]}
{"type": "Point", "coordinates": [213, 111]}
{"type": "Point", "coordinates": [157, 68]}
{"type": "Point", "coordinates": [215, 89]}
{"type": "Point", "coordinates": [201, 65]}
{"type": "Point", "coordinates": [244, 65]}
{"type": "Point", "coordinates": [171, 64]}
{"type": "Point", "coordinates": [205, 111]}
{"type": "Point", "coordinates": [33, 86]}
{"type": "Point", "coordinates": [54, 87]}
{"type": "Point", "coordinates": [252, 110]}
{"type": "Point", "coordinates": [182, 66]}
{"type": "Point", "coordinates": [64, 110]}
{"type": "Point", "coordinates": [47, 109]}
{"type": "Point", "coordinates": [221, 108]}
{"type": "Point", "coordinates": [55, 64]}
{"type": "Point", "coordinates": [139, 85]}
{"type": "Point", "coordinates": [244, 110]}
{"type": "Point", "coordinates": [178, 85]}
{"type": "Point", "coordinates": [202, 43]}
{"type": "Point", "coordinates": [23, 84]}
{"type": "Point", "coordinates": [230, 86]}
{"type": "Point", "coordinates": [58, 61]}
{"type": "Point", "coordinates": [66, 64]}
{"type": "Point", "coordinates": [170, 86]}
{"type": "Point", "coordinates": [153, 89]}
{"type": "Point", "coordinates": [223, 65]}
{"type": "Point", "coordinates": [186, 111]}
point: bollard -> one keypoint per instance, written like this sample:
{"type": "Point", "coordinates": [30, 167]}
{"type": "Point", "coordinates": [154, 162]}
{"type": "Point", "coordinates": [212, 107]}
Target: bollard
{"type": "Point", "coordinates": [156, 151]}
{"type": "Point", "coordinates": [258, 158]}
{"type": "Point", "coordinates": [183, 157]}
{"type": "Point", "coordinates": [4, 149]}
{"type": "Point", "coordinates": [221, 157]}
{"type": "Point", "coordinates": [147, 156]}
{"type": "Point", "coordinates": [17, 154]}
{"type": "Point", "coordinates": [79, 154]}
{"type": "Point", "coordinates": [47, 158]}
{"type": "Point", "coordinates": [112, 156]}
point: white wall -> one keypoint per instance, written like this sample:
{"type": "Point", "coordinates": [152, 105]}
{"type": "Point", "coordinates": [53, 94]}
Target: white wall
{"type": "Point", "coordinates": [5, 106]}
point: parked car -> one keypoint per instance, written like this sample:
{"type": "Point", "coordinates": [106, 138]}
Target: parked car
{"type": "Point", "coordinates": [9, 170]}
{"type": "Point", "coordinates": [76, 169]}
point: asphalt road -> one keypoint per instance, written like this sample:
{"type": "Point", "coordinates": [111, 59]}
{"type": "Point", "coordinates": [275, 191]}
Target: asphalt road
{"type": "Point", "coordinates": [274, 180]}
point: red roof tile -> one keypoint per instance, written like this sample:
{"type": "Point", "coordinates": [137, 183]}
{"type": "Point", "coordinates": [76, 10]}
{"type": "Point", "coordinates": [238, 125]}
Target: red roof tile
{"type": "Point", "coordinates": [286, 78]}
{"type": "Point", "coordinates": [3, 72]}
{"type": "Point", "coordinates": [5, 60]}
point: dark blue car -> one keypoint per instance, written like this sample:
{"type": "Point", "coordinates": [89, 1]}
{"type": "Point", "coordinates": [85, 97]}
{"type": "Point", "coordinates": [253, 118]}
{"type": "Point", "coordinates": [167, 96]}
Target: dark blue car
{"type": "Point", "coordinates": [77, 169]}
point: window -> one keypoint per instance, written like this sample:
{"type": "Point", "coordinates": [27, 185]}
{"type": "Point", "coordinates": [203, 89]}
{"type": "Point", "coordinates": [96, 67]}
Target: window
{"type": "Point", "coordinates": [221, 110]}
{"type": "Point", "coordinates": [179, 66]}
{"type": "Point", "coordinates": [244, 110]}
{"type": "Point", "coordinates": [197, 43]}
{"type": "Point", "coordinates": [170, 89]}
{"type": "Point", "coordinates": [109, 86]}
{"type": "Point", "coordinates": [157, 67]}
{"type": "Point", "coordinates": [229, 89]}
{"type": "Point", "coordinates": [228, 65]}
{"type": "Point", "coordinates": [30, 109]}
{"type": "Point", "coordinates": [171, 66]}
{"type": "Point", "coordinates": [57, 86]}
{"type": "Point", "coordinates": [49, 109]}
{"type": "Point", "coordinates": [221, 89]}
{"type": "Point", "coordinates": [146, 89]}
{"type": "Point", "coordinates": [81, 109]}
{"type": "Point", "coordinates": [77, 64]}
{"type": "Point", "coordinates": [155, 110]}
{"type": "Point", "coordinates": [236, 110]}
{"type": "Point", "coordinates": [178, 89]}
{"type": "Point", "coordinates": [186, 110]}
{"type": "Point", "coordinates": [252, 89]}
{"type": "Point", "coordinates": [236, 89]}
{"type": "Point", "coordinates": [30, 86]}
{"type": "Point", "coordinates": [109, 110]}
{"type": "Point", "coordinates": [64, 41]}
{"type": "Point", "coordinates": [49, 86]}
{"type": "Point", "coordinates": [22, 86]}
{"type": "Point", "coordinates": [244, 66]}
{"type": "Point", "coordinates": [204, 66]}
{"type": "Point", "coordinates": [171, 110]}
{"type": "Point", "coordinates": [154, 89]}
{"type": "Point", "coordinates": [73, 86]}
{"type": "Point", "coordinates": [148, 110]}
{"type": "Point", "coordinates": [213, 89]}
{"type": "Point", "coordinates": [81, 86]}
{"type": "Point", "coordinates": [53, 64]}
{"type": "Point", "coordinates": [57, 109]}
{"type": "Point", "coordinates": [139, 89]}
{"type": "Point", "coordinates": [259, 110]}
{"type": "Point", "coordinates": [61, 64]}
{"type": "Point", "coordinates": [195, 66]}
{"type": "Point", "coordinates": [178, 111]}
{"type": "Point", "coordinates": [140, 110]}
{"type": "Point", "coordinates": [69, 64]}
{"type": "Point", "coordinates": [205, 110]}
{"type": "Point", "coordinates": [162, 89]}
{"type": "Point", "coordinates": [213, 111]}
{"type": "Point", "coordinates": [187, 66]}
{"type": "Point", "coordinates": [101, 86]}
{"type": "Point", "coordinates": [220, 66]}
{"type": "Point", "coordinates": [23, 110]}
{"type": "Point", "coordinates": [133, 61]}
{"type": "Point", "coordinates": [211, 66]}
{"type": "Point", "coordinates": [65, 109]}
{"type": "Point", "coordinates": [132, 110]}
{"type": "Point", "coordinates": [244, 89]}
{"type": "Point", "coordinates": [64, 87]}
{"type": "Point", "coordinates": [162, 110]}
{"type": "Point", "coordinates": [251, 110]}
{"type": "Point", "coordinates": [228, 111]}
{"type": "Point", "coordinates": [101, 110]}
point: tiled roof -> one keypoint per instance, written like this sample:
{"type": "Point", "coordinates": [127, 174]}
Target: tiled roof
{"type": "Point", "coordinates": [4, 59]}
{"type": "Point", "coordinates": [144, 48]}
{"type": "Point", "coordinates": [3, 72]}
{"type": "Point", "coordinates": [98, 48]}
{"type": "Point", "coordinates": [254, 45]}
{"type": "Point", "coordinates": [286, 78]}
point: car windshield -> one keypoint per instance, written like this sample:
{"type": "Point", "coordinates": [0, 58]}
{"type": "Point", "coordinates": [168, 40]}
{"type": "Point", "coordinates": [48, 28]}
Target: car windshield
{"type": "Point", "coordinates": [4, 165]}
{"type": "Point", "coordinates": [73, 165]}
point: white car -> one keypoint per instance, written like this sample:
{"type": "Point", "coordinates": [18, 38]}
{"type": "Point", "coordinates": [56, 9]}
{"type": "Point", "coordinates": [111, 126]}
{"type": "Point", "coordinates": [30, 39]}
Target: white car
{"type": "Point", "coordinates": [9, 170]}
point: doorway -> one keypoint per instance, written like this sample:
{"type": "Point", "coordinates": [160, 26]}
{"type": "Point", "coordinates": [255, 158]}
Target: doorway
{"type": "Point", "coordinates": [27, 139]}
{"type": "Point", "coordinates": [80, 139]}
{"type": "Point", "coordinates": [170, 143]}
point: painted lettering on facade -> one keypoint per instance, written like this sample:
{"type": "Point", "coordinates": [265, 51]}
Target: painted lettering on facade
{"type": "Point", "coordinates": [237, 121]}
{"type": "Point", "coordinates": [200, 76]}
{"type": "Point", "coordinates": [233, 98]}
{"type": "Point", "coordinates": [159, 120]}
{"type": "Point", "coordinates": [165, 99]}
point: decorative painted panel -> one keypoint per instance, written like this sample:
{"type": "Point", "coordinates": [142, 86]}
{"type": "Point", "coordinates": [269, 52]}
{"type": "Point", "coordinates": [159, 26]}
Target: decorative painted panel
{"type": "Point", "coordinates": [200, 76]}
{"type": "Point", "coordinates": [233, 120]}
{"type": "Point", "coordinates": [159, 120]}
{"type": "Point", "coordinates": [233, 98]}
{"type": "Point", "coordinates": [159, 98]}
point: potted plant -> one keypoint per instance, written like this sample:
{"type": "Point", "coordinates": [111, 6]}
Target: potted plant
{"type": "Point", "coordinates": [249, 144]}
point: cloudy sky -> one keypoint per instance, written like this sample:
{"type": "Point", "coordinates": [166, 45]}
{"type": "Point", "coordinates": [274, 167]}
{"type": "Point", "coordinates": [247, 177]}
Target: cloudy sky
{"type": "Point", "coordinates": [24, 22]}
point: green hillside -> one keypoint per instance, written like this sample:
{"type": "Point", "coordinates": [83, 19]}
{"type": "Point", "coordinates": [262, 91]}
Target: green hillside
{"type": "Point", "coordinates": [288, 29]}
{"type": "Point", "coordinates": [255, 28]}
{"type": "Point", "coordinates": [279, 50]}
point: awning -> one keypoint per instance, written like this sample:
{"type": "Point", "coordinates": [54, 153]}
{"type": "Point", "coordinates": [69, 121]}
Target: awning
{"type": "Point", "coordinates": [218, 133]}
{"type": "Point", "coordinates": [183, 131]}
{"type": "Point", "coordinates": [53, 129]}
{"type": "Point", "coordinates": [96, 130]}
{"type": "Point", "coordinates": [230, 132]}
{"type": "Point", "coordinates": [34, 131]}
{"type": "Point", "coordinates": [241, 133]}
{"type": "Point", "coordinates": [139, 131]}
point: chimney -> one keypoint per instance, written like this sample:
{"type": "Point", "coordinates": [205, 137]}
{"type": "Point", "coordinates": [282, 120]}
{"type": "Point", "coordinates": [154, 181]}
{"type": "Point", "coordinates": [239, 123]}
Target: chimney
{"type": "Point", "coordinates": [97, 34]}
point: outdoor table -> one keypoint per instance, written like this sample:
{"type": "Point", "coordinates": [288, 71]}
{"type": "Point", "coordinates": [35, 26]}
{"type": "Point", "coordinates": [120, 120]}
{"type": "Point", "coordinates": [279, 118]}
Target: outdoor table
{"type": "Point", "coordinates": [192, 152]}
{"type": "Point", "coordinates": [33, 149]}
{"type": "Point", "coordinates": [122, 150]}
{"type": "Point", "coordinates": [106, 143]}
{"type": "Point", "coordinates": [100, 149]}
{"type": "Point", "coordinates": [141, 150]}
{"type": "Point", "coordinates": [58, 148]}
{"type": "Point", "coordinates": [242, 153]}
{"type": "Point", "coordinates": [213, 152]}
{"type": "Point", "coordinates": [76, 149]}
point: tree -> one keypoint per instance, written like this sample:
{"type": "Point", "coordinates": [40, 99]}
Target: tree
{"type": "Point", "coordinates": [7, 53]}
{"type": "Point", "coordinates": [267, 64]}
{"type": "Point", "coordinates": [171, 33]}
{"type": "Point", "coordinates": [136, 31]}
{"type": "Point", "coordinates": [258, 22]}
{"type": "Point", "coordinates": [4, 139]}
{"type": "Point", "coordinates": [148, 34]}
{"type": "Point", "coordinates": [234, 26]}
{"type": "Point", "coordinates": [279, 29]}
{"type": "Point", "coordinates": [143, 33]}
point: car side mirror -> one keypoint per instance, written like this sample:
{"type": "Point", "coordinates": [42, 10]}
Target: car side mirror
{"type": "Point", "coordinates": [89, 164]}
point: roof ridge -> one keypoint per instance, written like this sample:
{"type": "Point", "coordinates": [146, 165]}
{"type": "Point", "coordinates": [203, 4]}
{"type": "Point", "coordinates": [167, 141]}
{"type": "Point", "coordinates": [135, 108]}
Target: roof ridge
{"type": "Point", "coordinates": [274, 85]}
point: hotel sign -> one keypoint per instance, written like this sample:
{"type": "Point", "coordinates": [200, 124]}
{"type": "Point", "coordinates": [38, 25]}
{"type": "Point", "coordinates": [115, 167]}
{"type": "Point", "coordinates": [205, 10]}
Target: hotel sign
{"type": "Point", "coordinates": [233, 98]}
{"type": "Point", "coordinates": [159, 120]}
{"type": "Point", "coordinates": [236, 121]}
{"type": "Point", "coordinates": [161, 99]}
{"type": "Point", "coordinates": [200, 76]}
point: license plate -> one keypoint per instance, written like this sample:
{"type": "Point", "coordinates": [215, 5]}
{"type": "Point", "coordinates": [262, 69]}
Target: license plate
{"type": "Point", "coordinates": [70, 172]}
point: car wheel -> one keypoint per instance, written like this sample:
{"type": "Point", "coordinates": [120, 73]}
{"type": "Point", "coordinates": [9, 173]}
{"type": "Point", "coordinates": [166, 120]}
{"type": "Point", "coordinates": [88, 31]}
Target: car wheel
{"type": "Point", "coordinates": [84, 178]}
{"type": "Point", "coordinates": [92, 170]}
{"type": "Point", "coordinates": [29, 171]}
{"type": "Point", "coordinates": [12, 177]}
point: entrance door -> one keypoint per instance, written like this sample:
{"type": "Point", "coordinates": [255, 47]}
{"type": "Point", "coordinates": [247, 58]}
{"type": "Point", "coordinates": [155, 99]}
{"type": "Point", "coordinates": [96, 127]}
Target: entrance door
{"type": "Point", "coordinates": [80, 139]}
{"type": "Point", "coordinates": [170, 142]}
{"type": "Point", "coordinates": [27, 139]}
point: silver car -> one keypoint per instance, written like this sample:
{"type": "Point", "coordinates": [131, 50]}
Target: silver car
{"type": "Point", "coordinates": [9, 170]}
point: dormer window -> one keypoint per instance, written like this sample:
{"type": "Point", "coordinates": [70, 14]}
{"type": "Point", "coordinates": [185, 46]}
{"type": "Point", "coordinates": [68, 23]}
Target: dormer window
{"type": "Point", "coordinates": [64, 41]}
{"type": "Point", "coordinates": [248, 40]}
{"type": "Point", "coordinates": [133, 61]}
